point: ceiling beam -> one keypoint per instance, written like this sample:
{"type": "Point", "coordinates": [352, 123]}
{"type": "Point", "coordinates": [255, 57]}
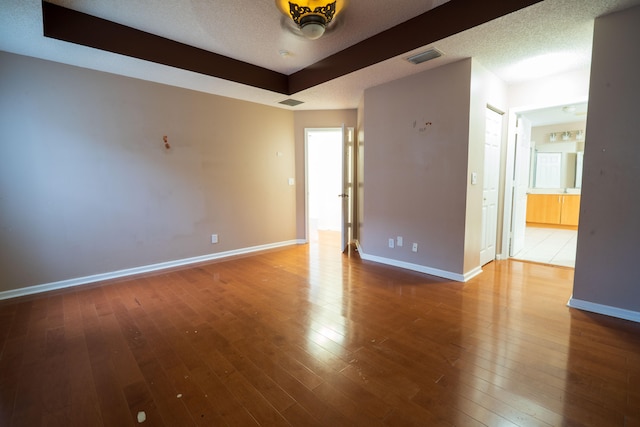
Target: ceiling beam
{"type": "Point", "coordinates": [436, 24]}
{"type": "Point", "coordinates": [87, 30]}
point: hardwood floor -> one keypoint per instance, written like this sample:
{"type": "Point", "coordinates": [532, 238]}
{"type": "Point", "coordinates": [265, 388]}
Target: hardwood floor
{"type": "Point", "coordinates": [308, 336]}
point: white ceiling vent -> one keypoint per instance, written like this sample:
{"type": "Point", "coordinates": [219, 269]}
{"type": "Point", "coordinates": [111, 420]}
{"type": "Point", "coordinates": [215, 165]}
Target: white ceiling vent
{"type": "Point", "coordinates": [291, 102]}
{"type": "Point", "coordinates": [425, 56]}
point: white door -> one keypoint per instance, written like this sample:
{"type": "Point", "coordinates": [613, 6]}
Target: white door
{"type": "Point", "coordinates": [347, 185]}
{"type": "Point", "coordinates": [520, 185]}
{"type": "Point", "coordinates": [491, 181]}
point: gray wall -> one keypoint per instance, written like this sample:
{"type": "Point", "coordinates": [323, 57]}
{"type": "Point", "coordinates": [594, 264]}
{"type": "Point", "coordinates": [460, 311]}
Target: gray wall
{"type": "Point", "coordinates": [609, 238]}
{"type": "Point", "coordinates": [415, 174]}
{"type": "Point", "coordinates": [87, 187]}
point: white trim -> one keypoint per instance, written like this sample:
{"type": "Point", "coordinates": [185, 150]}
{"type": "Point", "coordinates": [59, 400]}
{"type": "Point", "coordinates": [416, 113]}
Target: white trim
{"type": "Point", "coordinates": [507, 206]}
{"type": "Point", "coordinates": [30, 290]}
{"type": "Point", "coordinates": [471, 274]}
{"type": "Point", "coordinates": [607, 310]}
{"type": "Point", "coordinates": [420, 268]}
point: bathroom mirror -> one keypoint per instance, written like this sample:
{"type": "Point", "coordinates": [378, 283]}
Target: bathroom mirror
{"type": "Point", "coordinates": [556, 161]}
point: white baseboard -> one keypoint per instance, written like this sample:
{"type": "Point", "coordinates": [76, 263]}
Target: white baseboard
{"type": "Point", "coordinates": [419, 268]}
{"type": "Point", "coordinates": [139, 270]}
{"type": "Point", "coordinates": [607, 310]}
{"type": "Point", "coordinates": [471, 274]}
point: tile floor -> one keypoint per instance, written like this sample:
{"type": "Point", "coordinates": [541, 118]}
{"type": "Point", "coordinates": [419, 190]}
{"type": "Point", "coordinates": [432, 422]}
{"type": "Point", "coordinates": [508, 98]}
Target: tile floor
{"type": "Point", "coordinates": [549, 246]}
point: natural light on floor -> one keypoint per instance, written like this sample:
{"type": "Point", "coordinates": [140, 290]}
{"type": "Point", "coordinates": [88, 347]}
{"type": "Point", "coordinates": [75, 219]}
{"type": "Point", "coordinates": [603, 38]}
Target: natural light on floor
{"type": "Point", "coordinates": [549, 246]}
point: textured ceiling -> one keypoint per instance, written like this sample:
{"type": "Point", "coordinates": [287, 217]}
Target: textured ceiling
{"type": "Point", "coordinates": [548, 37]}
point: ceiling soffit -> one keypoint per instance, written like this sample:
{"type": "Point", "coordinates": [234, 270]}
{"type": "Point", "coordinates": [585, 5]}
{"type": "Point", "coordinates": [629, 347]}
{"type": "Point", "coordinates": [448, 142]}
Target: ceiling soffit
{"type": "Point", "coordinates": [443, 21]}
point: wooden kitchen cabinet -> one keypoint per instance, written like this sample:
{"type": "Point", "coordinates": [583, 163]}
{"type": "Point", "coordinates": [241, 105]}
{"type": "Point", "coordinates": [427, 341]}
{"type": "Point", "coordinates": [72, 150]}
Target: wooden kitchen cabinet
{"type": "Point", "coordinates": [543, 208]}
{"type": "Point", "coordinates": [570, 211]}
{"type": "Point", "coordinates": [554, 209]}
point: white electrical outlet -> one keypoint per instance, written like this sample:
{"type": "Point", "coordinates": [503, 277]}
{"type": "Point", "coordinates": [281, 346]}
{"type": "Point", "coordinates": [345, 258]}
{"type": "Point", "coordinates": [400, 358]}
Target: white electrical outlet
{"type": "Point", "coordinates": [399, 241]}
{"type": "Point", "coordinates": [214, 238]}
{"type": "Point", "coordinates": [392, 243]}
{"type": "Point", "coordinates": [414, 248]}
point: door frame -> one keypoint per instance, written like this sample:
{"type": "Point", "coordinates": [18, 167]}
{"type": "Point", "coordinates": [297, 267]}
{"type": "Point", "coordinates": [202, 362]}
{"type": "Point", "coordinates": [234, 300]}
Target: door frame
{"type": "Point", "coordinates": [507, 210]}
{"type": "Point", "coordinates": [348, 185]}
{"type": "Point", "coordinates": [496, 224]}
{"type": "Point", "coordinates": [306, 169]}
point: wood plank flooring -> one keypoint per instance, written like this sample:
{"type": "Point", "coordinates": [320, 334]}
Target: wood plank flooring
{"type": "Point", "coordinates": [307, 336]}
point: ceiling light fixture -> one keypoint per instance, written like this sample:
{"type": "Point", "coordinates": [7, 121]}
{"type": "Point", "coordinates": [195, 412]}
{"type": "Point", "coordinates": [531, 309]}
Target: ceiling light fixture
{"type": "Point", "coordinates": [311, 16]}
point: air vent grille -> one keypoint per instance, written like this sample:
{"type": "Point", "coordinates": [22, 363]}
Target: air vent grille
{"type": "Point", "coordinates": [425, 56]}
{"type": "Point", "coordinates": [291, 102]}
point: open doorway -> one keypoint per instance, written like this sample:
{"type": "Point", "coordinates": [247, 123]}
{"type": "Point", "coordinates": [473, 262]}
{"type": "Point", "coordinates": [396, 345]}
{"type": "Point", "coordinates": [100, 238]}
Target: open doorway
{"type": "Point", "coordinates": [323, 151]}
{"type": "Point", "coordinates": [545, 214]}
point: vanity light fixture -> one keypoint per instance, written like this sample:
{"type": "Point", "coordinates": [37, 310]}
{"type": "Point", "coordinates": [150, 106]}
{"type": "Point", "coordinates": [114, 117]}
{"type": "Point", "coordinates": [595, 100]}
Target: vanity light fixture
{"type": "Point", "coordinates": [552, 137]}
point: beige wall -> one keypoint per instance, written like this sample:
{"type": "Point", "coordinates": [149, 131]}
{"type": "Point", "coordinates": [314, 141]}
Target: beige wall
{"type": "Point", "coordinates": [609, 236]}
{"type": "Point", "coordinates": [415, 174]}
{"type": "Point", "coordinates": [87, 187]}
{"type": "Point", "coordinates": [313, 119]}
